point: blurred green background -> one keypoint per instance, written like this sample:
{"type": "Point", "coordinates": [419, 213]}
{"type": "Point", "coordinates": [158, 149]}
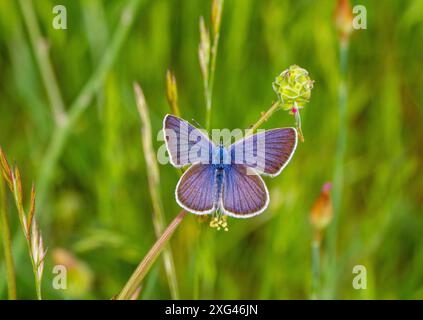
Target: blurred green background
{"type": "Point", "coordinates": [97, 216]}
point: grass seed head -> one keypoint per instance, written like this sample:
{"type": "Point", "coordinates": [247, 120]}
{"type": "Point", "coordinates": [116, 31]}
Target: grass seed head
{"type": "Point", "coordinates": [216, 15]}
{"type": "Point", "coordinates": [5, 169]}
{"type": "Point", "coordinates": [204, 49]}
{"type": "Point", "coordinates": [172, 92]}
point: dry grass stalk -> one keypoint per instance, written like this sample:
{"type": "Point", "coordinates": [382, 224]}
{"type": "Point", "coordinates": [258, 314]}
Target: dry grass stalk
{"type": "Point", "coordinates": [145, 265]}
{"type": "Point", "coordinates": [29, 226]}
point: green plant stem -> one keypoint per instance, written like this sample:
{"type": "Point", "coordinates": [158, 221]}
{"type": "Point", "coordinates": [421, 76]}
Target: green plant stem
{"type": "Point", "coordinates": [7, 245]}
{"type": "Point", "coordinates": [264, 117]}
{"type": "Point", "coordinates": [27, 235]}
{"type": "Point", "coordinates": [210, 82]}
{"type": "Point", "coordinates": [338, 175]}
{"type": "Point", "coordinates": [40, 47]}
{"type": "Point", "coordinates": [315, 257]}
{"type": "Point", "coordinates": [142, 269]}
{"type": "Point", "coordinates": [154, 186]}
{"type": "Point", "coordinates": [37, 281]}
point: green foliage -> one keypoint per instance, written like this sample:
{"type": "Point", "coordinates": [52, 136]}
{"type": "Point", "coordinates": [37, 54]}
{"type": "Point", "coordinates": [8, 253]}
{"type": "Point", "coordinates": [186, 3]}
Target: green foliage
{"type": "Point", "coordinates": [98, 205]}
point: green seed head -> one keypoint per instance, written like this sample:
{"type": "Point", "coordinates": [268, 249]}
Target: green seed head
{"type": "Point", "coordinates": [293, 88]}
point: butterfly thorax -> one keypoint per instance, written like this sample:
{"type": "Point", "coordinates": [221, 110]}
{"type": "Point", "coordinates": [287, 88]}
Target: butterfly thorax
{"type": "Point", "coordinates": [221, 157]}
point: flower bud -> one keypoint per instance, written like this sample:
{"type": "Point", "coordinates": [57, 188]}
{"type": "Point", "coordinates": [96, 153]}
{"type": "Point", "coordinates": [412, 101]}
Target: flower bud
{"type": "Point", "coordinates": [343, 19]}
{"type": "Point", "coordinates": [321, 212]}
{"type": "Point", "coordinates": [293, 88]}
{"type": "Point", "coordinates": [79, 275]}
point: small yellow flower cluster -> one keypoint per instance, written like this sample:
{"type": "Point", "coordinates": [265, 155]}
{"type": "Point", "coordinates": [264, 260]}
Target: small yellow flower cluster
{"type": "Point", "coordinates": [219, 222]}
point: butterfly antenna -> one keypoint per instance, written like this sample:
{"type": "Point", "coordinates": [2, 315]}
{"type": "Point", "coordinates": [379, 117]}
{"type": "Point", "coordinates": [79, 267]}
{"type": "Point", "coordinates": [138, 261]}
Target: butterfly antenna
{"type": "Point", "coordinates": [197, 124]}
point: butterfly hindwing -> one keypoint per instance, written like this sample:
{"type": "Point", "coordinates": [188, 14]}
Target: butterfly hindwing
{"type": "Point", "coordinates": [185, 143]}
{"type": "Point", "coordinates": [244, 193]}
{"type": "Point", "coordinates": [267, 152]}
{"type": "Point", "coordinates": [196, 189]}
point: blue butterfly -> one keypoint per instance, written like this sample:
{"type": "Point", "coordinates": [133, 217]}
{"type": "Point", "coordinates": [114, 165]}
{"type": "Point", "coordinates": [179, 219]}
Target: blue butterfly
{"type": "Point", "coordinates": [226, 178]}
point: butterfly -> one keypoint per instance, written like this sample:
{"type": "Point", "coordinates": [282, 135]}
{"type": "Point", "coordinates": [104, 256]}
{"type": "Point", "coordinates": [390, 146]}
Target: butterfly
{"type": "Point", "coordinates": [226, 178]}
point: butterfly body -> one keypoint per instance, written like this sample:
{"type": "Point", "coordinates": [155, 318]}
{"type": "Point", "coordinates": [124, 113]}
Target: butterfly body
{"type": "Point", "coordinates": [219, 183]}
{"type": "Point", "coordinates": [226, 178]}
{"type": "Point", "coordinates": [221, 157]}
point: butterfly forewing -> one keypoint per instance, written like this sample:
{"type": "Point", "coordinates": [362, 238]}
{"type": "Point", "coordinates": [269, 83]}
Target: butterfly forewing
{"type": "Point", "coordinates": [196, 190]}
{"type": "Point", "coordinates": [185, 143]}
{"type": "Point", "coordinates": [267, 152]}
{"type": "Point", "coordinates": [244, 192]}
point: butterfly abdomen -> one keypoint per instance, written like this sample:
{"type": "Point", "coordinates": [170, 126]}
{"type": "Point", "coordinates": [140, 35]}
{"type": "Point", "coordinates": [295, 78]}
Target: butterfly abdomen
{"type": "Point", "coordinates": [219, 182]}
